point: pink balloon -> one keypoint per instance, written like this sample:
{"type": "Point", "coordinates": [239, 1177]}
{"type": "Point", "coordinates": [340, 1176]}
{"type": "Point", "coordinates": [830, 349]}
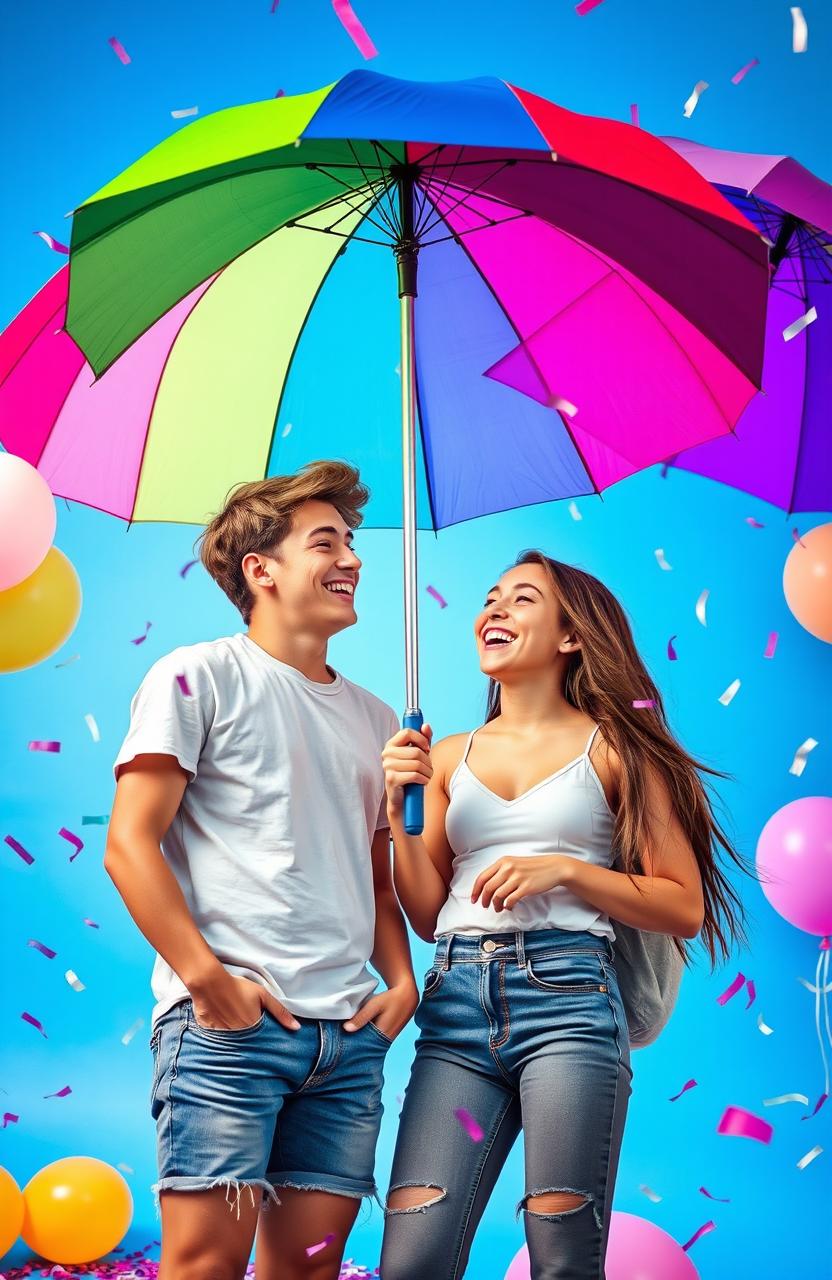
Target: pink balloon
{"type": "Point", "coordinates": [794, 862]}
{"type": "Point", "coordinates": [636, 1250]}
{"type": "Point", "coordinates": [27, 520]}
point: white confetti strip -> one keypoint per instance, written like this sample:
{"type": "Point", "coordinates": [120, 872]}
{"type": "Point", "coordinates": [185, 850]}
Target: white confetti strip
{"type": "Point", "coordinates": [563, 405]}
{"type": "Point", "coordinates": [809, 1157]}
{"type": "Point", "coordinates": [93, 728]}
{"type": "Point", "coordinates": [786, 1097]}
{"type": "Point", "coordinates": [700, 606]}
{"type": "Point", "coordinates": [799, 763]}
{"type": "Point", "coordinates": [763, 1026]}
{"type": "Point", "coordinates": [184, 112]}
{"type": "Point", "coordinates": [574, 512]}
{"type": "Point", "coordinates": [729, 693]}
{"type": "Point", "coordinates": [824, 991]}
{"type": "Point", "coordinates": [131, 1031]}
{"type": "Point", "coordinates": [690, 105]}
{"type": "Point", "coordinates": [800, 30]}
{"type": "Point", "coordinates": [125, 1167]}
{"type": "Point", "coordinates": [74, 981]}
{"type": "Point", "coordinates": [286, 430]}
{"type": "Point", "coordinates": [651, 1195]}
{"type": "Point", "coordinates": [659, 554]}
{"type": "Point", "coordinates": [797, 326]}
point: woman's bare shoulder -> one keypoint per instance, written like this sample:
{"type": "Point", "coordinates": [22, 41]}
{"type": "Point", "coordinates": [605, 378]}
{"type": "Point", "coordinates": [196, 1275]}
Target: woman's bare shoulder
{"type": "Point", "coordinates": [447, 753]}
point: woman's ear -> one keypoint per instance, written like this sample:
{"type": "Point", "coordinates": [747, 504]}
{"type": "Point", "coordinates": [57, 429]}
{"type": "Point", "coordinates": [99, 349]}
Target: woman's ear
{"type": "Point", "coordinates": [570, 643]}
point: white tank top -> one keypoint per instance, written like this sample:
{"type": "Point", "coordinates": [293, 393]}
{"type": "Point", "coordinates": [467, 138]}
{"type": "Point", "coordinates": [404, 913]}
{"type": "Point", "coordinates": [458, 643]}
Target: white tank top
{"type": "Point", "coordinates": [564, 813]}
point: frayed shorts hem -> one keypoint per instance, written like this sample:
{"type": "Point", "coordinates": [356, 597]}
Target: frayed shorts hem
{"type": "Point", "coordinates": [326, 1182]}
{"type": "Point", "coordinates": [232, 1185]}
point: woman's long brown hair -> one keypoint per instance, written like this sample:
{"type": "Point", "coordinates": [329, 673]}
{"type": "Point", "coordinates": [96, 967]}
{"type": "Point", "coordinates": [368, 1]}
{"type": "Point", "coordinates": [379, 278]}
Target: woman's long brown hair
{"type": "Point", "coordinates": [603, 679]}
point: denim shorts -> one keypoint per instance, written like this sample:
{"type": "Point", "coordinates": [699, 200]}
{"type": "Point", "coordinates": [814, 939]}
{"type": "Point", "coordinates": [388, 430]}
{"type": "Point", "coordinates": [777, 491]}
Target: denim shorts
{"type": "Point", "coordinates": [265, 1107]}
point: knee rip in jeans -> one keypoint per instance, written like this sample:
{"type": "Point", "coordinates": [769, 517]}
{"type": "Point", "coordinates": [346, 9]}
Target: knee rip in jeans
{"type": "Point", "coordinates": [554, 1203]}
{"type": "Point", "coordinates": [414, 1197]}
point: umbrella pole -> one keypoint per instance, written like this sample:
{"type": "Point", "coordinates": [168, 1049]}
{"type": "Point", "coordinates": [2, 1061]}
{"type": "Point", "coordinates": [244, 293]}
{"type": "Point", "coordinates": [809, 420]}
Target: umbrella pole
{"type": "Point", "coordinates": [406, 251]}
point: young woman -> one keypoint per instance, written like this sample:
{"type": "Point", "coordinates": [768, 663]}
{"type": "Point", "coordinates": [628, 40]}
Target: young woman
{"type": "Point", "coordinates": [521, 1019]}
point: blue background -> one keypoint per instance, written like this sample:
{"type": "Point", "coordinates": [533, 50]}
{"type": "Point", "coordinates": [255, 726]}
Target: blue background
{"type": "Point", "coordinates": [75, 116]}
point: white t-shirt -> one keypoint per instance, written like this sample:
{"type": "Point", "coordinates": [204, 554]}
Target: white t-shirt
{"type": "Point", "coordinates": [271, 842]}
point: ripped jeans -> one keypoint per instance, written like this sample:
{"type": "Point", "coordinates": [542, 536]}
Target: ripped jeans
{"type": "Point", "coordinates": [517, 1030]}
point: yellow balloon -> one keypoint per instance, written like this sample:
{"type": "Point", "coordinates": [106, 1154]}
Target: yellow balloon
{"type": "Point", "coordinates": [39, 613]}
{"type": "Point", "coordinates": [11, 1211]}
{"type": "Point", "coordinates": [76, 1209]}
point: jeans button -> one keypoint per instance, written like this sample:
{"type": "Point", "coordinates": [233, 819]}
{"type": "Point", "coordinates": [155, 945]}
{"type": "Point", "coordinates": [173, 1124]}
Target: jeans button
{"type": "Point", "coordinates": [489, 945]}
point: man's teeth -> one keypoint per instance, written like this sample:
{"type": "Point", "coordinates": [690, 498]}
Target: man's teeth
{"type": "Point", "coordinates": [343, 587]}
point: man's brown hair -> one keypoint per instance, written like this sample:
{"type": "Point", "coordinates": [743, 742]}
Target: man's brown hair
{"type": "Point", "coordinates": [258, 515]}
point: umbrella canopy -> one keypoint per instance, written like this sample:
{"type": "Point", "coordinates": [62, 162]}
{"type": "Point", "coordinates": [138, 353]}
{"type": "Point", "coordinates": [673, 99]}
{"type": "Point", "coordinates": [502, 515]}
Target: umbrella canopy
{"type": "Point", "coordinates": [780, 450]}
{"type": "Point", "coordinates": [577, 259]}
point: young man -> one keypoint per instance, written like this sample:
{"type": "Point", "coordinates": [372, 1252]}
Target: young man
{"type": "Point", "coordinates": [250, 843]}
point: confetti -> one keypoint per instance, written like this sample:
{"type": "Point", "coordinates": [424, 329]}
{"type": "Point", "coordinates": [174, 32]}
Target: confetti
{"type": "Point", "coordinates": [184, 112]}
{"type": "Point", "coordinates": [823, 1097]}
{"type": "Point", "coordinates": [786, 1097]}
{"type": "Point", "coordinates": [651, 1195]}
{"type": "Point", "coordinates": [54, 244]}
{"type": "Point", "coordinates": [689, 1084]}
{"type": "Point", "coordinates": [316, 1248]}
{"type": "Point", "coordinates": [281, 93]}
{"type": "Point", "coordinates": [275, 3]}
{"type": "Point", "coordinates": [125, 1168]}
{"type": "Point", "coordinates": [763, 1026]}
{"type": "Point", "coordinates": [286, 430]}
{"type": "Point", "coordinates": [586, 6]}
{"type": "Point", "coordinates": [800, 30]}
{"type": "Point", "coordinates": [797, 538]}
{"type": "Point", "coordinates": [186, 567]}
{"type": "Point", "coordinates": [141, 639]}
{"type": "Point", "coordinates": [563, 405]}
{"type": "Point", "coordinates": [824, 991]}
{"type": "Point", "coordinates": [73, 839]}
{"type": "Point", "coordinates": [634, 114]}
{"type": "Point", "coordinates": [730, 693]}
{"type": "Point", "coordinates": [27, 1017]}
{"type": "Point", "coordinates": [443, 604]}
{"type": "Point", "coordinates": [752, 993]}
{"type": "Point", "coordinates": [469, 1124]}
{"type": "Point", "coordinates": [18, 848]}
{"type": "Point", "coordinates": [799, 763]}
{"type": "Point", "coordinates": [659, 554]}
{"type": "Point", "coordinates": [574, 512]}
{"type": "Point", "coordinates": [44, 746]}
{"type": "Point", "coordinates": [755, 524]}
{"type": "Point", "coordinates": [707, 1193]}
{"type": "Point", "coordinates": [771, 644]}
{"type": "Point", "coordinates": [700, 606]}
{"type": "Point", "coordinates": [9, 1118]}
{"type": "Point", "coordinates": [703, 1231]}
{"type": "Point", "coordinates": [690, 105]}
{"type": "Point", "coordinates": [641, 703]}
{"type": "Point", "coordinates": [671, 652]}
{"type": "Point", "coordinates": [730, 992]}
{"type": "Point", "coordinates": [119, 50]}
{"type": "Point", "coordinates": [62, 1093]}
{"type": "Point", "coordinates": [44, 950]}
{"type": "Point", "coordinates": [131, 1031]}
{"type": "Point", "coordinates": [91, 923]}
{"type": "Point", "coordinates": [797, 326]}
{"type": "Point", "coordinates": [74, 657]}
{"type": "Point", "coordinates": [736, 1122]}
{"type": "Point", "coordinates": [93, 728]}
{"type": "Point", "coordinates": [95, 819]}
{"type": "Point", "coordinates": [809, 1157]}
{"type": "Point", "coordinates": [354, 29]}
{"type": "Point", "coordinates": [74, 981]}
{"type": "Point", "coordinates": [184, 687]}
{"type": "Point", "coordinates": [743, 71]}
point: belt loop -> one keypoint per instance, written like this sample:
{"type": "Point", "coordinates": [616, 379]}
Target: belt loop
{"type": "Point", "coordinates": [446, 955]}
{"type": "Point", "coordinates": [519, 942]}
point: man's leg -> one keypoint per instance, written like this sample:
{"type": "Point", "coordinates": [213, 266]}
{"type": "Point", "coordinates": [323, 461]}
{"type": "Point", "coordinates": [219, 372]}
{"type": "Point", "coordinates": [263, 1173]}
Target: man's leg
{"type": "Point", "coordinates": [302, 1220]}
{"type": "Point", "coordinates": [202, 1237]}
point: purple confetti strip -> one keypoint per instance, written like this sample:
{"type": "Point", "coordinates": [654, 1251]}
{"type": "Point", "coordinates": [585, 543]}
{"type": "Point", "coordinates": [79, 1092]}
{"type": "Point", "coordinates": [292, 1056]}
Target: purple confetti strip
{"type": "Point", "coordinates": [91, 923]}
{"type": "Point", "coordinates": [752, 992]}
{"type": "Point", "coordinates": [707, 1193]}
{"type": "Point", "coordinates": [184, 687]}
{"type": "Point", "coordinates": [797, 538]}
{"type": "Point", "coordinates": [755, 524]}
{"type": "Point", "coordinates": [119, 50]}
{"type": "Point", "coordinates": [18, 848]}
{"type": "Point", "coordinates": [40, 946]}
{"type": "Point", "coordinates": [730, 992]}
{"type": "Point", "coordinates": [743, 71]}
{"type": "Point", "coordinates": [55, 245]}
{"type": "Point", "coordinates": [771, 644]}
{"type": "Point", "coordinates": [689, 1084]}
{"type": "Point", "coordinates": [141, 639]}
{"type": "Point", "coordinates": [9, 1118]}
{"type": "Point", "coordinates": [634, 113]}
{"type": "Point", "coordinates": [671, 652]}
{"type": "Point", "coordinates": [469, 1124]}
{"type": "Point", "coordinates": [27, 1017]}
{"type": "Point", "coordinates": [62, 1093]}
{"type": "Point", "coordinates": [74, 840]}
{"type": "Point", "coordinates": [443, 604]}
{"type": "Point", "coordinates": [38, 745]}
{"type": "Point", "coordinates": [186, 567]}
{"type": "Point", "coordinates": [703, 1231]}
{"type": "Point", "coordinates": [818, 1106]}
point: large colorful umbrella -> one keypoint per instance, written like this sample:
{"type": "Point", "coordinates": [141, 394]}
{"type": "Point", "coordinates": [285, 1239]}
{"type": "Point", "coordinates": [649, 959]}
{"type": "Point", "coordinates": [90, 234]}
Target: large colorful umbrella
{"type": "Point", "coordinates": [577, 254]}
{"type": "Point", "coordinates": [781, 449]}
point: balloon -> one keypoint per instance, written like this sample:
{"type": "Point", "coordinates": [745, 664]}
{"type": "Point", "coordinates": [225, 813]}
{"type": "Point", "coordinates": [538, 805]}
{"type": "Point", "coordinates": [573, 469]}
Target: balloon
{"type": "Point", "coordinates": [636, 1250]}
{"type": "Point", "coordinates": [76, 1209]}
{"type": "Point", "coordinates": [39, 613]}
{"type": "Point", "coordinates": [11, 1211]}
{"type": "Point", "coordinates": [807, 581]}
{"type": "Point", "coordinates": [794, 862]}
{"type": "Point", "coordinates": [27, 519]}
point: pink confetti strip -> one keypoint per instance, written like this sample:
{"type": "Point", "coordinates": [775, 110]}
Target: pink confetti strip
{"type": "Point", "coordinates": [586, 6]}
{"type": "Point", "coordinates": [689, 1084]}
{"type": "Point", "coordinates": [443, 604]}
{"type": "Point", "coordinates": [771, 644]}
{"type": "Point", "coordinates": [44, 746]}
{"type": "Point", "coordinates": [73, 839]}
{"type": "Point", "coordinates": [730, 992]}
{"type": "Point", "coordinates": [355, 30]}
{"type": "Point", "coordinates": [119, 50]}
{"type": "Point", "coordinates": [186, 567]}
{"type": "Point", "coordinates": [755, 524]}
{"type": "Point", "coordinates": [27, 1017]}
{"type": "Point", "coordinates": [469, 1124]}
{"type": "Point", "coordinates": [634, 113]}
{"type": "Point", "coordinates": [184, 687]}
{"type": "Point", "coordinates": [671, 652]}
{"type": "Point", "coordinates": [141, 639]}
{"type": "Point", "coordinates": [644, 702]}
{"type": "Point", "coordinates": [42, 948]}
{"type": "Point", "coordinates": [736, 1122]}
{"type": "Point", "coordinates": [54, 244]}
{"type": "Point", "coordinates": [703, 1231]}
{"type": "Point", "coordinates": [9, 1118]}
{"type": "Point", "coordinates": [91, 923]}
{"type": "Point", "coordinates": [743, 71]}
{"type": "Point", "coordinates": [18, 848]}
{"type": "Point", "coordinates": [707, 1193]}
{"type": "Point", "coordinates": [62, 1093]}
{"type": "Point", "coordinates": [312, 1249]}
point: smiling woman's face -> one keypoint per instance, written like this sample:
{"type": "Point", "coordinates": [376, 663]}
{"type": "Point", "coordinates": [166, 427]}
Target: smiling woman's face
{"type": "Point", "coordinates": [522, 605]}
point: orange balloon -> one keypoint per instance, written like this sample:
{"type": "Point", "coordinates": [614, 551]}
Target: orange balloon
{"type": "Point", "coordinates": [807, 581]}
{"type": "Point", "coordinates": [39, 613]}
{"type": "Point", "coordinates": [11, 1211]}
{"type": "Point", "coordinates": [76, 1209]}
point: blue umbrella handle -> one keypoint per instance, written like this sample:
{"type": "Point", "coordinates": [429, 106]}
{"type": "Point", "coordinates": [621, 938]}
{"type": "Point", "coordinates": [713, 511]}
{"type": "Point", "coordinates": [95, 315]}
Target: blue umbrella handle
{"type": "Point", "coordinates": [414, 792]}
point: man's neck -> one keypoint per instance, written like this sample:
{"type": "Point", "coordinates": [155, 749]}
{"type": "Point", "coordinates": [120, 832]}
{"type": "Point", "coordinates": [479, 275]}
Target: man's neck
{"type": "Point", "coordinates": [304, 653]}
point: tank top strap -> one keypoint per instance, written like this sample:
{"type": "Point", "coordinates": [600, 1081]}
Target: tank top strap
{"type": "Point", "coordinates": [462, 761]}
{"type": "Point", "coordinates": [590, 741]}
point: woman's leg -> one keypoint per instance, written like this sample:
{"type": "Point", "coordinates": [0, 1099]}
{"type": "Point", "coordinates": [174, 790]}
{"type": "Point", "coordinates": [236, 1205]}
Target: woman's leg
{"type": "Point", "coordinates": [441, 1178]}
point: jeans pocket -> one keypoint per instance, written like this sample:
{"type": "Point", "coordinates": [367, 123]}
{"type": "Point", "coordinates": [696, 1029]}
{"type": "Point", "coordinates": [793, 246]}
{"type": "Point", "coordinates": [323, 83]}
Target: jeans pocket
{"type": "Point", "coordinates": [432, 981]}
{"type": "Point", "coordinates": [570, 973]}
{"type": "Point", "coordinates": [382, 1035]}
{"type": "Point", "coordinates": [222, 1033]}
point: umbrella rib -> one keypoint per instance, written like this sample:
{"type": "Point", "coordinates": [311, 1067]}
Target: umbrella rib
{"type": "Point", "coordinates": [340, 200]}
{"type": "Point", "coordinates": [473, 191]}
{"type": "Point", "coordinates": [394, 228]}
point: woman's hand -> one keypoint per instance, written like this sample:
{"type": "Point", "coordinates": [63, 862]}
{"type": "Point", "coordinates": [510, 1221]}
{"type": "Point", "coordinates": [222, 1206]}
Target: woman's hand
{"type": "Point", "coordinates": [406, 758]}
{"type": "Point", "coordinates": [389, 1011]}
{"type": "Point", "coordinates": [511, 878]}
